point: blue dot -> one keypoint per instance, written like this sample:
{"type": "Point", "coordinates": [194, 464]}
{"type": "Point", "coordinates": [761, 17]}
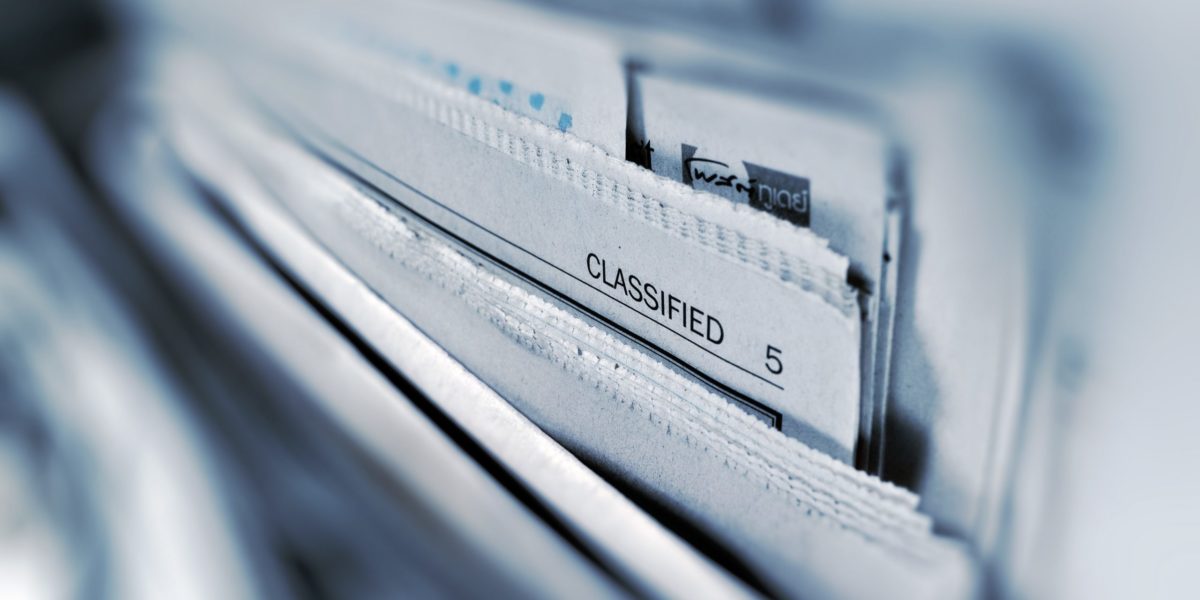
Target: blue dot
{"type": "Point", "coordinates": [474, 85]}
{"type": "Point", "coordinates": [564, 121]}
{"type": "Point", "coordinates": [536, 100]}
{"type": "Point", "coordinates": [452, 69]}
{"type": "Point", "coordinates": [506, 87]}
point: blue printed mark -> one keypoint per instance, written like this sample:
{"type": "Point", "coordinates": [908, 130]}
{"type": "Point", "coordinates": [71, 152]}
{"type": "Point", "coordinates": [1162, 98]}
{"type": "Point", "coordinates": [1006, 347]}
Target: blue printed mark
{"type": "Point", "coordinates": [506, 87]}
{"type": "Point", "coordinates": [452, 69]}
{"type": "Point", "coordinates": [536, 100]}
{"type": "Point", "coordinates": [424, 58]}
{"type": "Point", "coordinates": [474, 85]}
{"type": "Point", "coordinates": [564, 122]}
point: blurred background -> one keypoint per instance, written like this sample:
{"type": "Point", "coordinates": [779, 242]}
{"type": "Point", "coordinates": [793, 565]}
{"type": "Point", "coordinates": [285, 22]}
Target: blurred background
{"type": "Point", "coordinates": [151, 447]}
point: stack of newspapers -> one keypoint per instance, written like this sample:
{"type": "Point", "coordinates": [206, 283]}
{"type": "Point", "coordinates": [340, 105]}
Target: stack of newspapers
{"type": "Point", "coordinates": [555, 299]}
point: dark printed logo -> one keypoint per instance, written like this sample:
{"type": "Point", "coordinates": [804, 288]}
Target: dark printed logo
{"type": "Point", "coordinates": [639, 152]}
{"type": "Point", "coordinates": [781, 194]}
